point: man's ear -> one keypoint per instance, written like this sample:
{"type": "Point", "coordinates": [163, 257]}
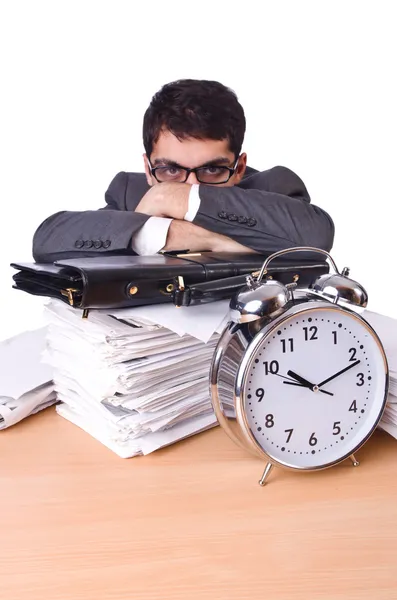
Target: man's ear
{"type": "Point", "coordinates": [242, 165]}
{"type": "Point", "coordinates": [147, 171]}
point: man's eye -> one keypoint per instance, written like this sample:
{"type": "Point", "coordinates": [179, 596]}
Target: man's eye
{"type": "Point", "coordinates": [213, 170]}
{"type": "Point", "coordinates": [172, 171]}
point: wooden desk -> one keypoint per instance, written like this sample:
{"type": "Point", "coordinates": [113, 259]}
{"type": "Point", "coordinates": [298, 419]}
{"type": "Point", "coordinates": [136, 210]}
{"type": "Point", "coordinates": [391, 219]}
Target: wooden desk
{"type": "Point", "coordinates": [189, 521]}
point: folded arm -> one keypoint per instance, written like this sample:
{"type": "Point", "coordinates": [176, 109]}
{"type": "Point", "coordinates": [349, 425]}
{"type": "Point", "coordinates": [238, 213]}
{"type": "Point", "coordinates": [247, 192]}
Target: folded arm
{"type": "Point", "coordinates": [185, 235]}
{"type": "Point", "coordinates": [70, 234]}
{"type": "Point", "coordinates": [263, 220]}
{"type": "Point", "coordinates": [267, 212]}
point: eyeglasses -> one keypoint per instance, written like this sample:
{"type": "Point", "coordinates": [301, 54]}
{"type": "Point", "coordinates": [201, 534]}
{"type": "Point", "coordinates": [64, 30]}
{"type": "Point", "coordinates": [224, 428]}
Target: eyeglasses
{"type": "Point", "coordinates": [211, 174]}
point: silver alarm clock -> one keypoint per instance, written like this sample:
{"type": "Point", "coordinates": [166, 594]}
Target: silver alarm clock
{"type": "Point", "coordinates": [298, 377]}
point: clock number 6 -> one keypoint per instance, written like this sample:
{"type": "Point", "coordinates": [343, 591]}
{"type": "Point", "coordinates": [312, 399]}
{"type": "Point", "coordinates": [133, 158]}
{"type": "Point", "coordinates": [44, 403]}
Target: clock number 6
{"type": "Point", "coordinates": [313, 440]}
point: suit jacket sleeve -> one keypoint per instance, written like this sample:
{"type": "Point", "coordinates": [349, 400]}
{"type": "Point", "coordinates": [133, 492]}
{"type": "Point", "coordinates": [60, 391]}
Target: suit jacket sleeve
{"type": "Point", "coordinates": [92, 232]}
{"type": "Point", "coordinates": [267, 212]}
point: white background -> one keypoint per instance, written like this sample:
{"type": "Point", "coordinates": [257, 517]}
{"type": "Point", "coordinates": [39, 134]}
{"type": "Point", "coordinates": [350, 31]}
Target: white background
{"type": "Point", "coordinates": [317, 81]}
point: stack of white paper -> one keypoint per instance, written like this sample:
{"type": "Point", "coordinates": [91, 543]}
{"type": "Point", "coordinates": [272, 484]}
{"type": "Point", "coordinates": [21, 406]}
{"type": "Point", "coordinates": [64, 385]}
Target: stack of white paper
{"type": "Point", "coordinates": [25, 382]}
{"type": "Point", "coordinates": [386, 328]}
{"type": "Point", "coordinates": [129, 381]}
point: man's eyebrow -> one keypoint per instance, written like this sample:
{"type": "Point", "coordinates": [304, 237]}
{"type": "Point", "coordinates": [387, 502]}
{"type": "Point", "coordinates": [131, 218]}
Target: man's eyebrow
{"type": "Point", "coordinates": [216, 161]}
{"type": "Point", "coordinates": [219, 160]}
{"type": "Point", "coordinates": [165, 161]}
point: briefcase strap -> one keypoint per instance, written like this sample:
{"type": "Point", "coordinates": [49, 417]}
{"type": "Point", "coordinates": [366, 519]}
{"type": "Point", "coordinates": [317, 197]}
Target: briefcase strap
{"type": "Point", "coordinates": [220, 289]}
{"type": "Point", "coordinates": [208, 291]}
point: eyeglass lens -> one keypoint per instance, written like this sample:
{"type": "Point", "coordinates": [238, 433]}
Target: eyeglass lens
{"type": "Point", "coordinates": [203, 174]}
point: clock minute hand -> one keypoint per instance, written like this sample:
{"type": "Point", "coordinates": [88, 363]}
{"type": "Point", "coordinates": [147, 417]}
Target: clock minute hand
{"type": "Point", "coordinates": [339, 373]}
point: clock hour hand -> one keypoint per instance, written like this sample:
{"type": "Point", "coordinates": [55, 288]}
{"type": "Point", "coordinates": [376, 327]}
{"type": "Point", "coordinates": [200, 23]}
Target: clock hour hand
{"type": "Point", "coordinates": [301, 380]}
{"type": "Point", "coordinates": [339, 373]}
{"type": "Point", "coordinates": [304, 382]}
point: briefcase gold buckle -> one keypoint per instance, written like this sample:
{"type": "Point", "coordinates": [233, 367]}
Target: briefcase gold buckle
{"type": "Point", "coordinates": [69, 294]}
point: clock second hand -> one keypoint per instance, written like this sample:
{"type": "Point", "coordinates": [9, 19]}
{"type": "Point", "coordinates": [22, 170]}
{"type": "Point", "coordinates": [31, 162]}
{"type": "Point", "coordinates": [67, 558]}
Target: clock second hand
{"type": "Point", "coordinates": [294, 382]}
{"type": "Point", "coordinates": [301, 385]}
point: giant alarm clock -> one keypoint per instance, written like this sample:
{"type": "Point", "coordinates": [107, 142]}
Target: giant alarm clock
{"type": "Point", "coordinates": [299, 378]}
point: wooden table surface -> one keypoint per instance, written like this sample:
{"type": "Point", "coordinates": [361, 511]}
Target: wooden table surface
{"type": "Point", "coordinates": [189, 521]}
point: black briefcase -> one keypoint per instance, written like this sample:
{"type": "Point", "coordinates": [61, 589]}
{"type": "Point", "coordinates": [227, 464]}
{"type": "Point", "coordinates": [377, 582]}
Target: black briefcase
{"type": "Point", "coordinates": [125, 281]}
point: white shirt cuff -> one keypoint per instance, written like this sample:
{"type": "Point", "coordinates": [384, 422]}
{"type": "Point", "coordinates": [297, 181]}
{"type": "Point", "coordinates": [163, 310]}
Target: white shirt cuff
{"type": "Point", "coordinates": [193, 203]}
{"type": "Point", "coordinates": [151, 237]}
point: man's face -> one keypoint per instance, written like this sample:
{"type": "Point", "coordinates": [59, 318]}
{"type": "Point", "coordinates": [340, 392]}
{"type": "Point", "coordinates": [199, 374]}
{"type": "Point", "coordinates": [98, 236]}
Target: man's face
{"type": "Point", "coordinates": [192, 153]}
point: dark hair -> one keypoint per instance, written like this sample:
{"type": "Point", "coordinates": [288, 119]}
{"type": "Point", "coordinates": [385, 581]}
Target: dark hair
{"type": "Point", "coordinates": [198, 109]}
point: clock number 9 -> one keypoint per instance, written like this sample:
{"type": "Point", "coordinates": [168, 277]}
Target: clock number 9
{"type": "Point", "coordinates": [259, 393]}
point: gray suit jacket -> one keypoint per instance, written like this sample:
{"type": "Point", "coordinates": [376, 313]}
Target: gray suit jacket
{"type": "Point", "coordinates": [267, 211]}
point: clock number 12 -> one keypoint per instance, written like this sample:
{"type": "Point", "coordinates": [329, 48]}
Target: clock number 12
{"type": "Point", "coordinates": [310, 333]}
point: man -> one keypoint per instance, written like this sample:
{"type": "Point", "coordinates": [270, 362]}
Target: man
{"type": "Point", "coordinates": [197, 192]}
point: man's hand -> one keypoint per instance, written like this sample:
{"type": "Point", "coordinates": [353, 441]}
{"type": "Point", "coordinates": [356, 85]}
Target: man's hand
{"type": "Point", "coordinates": [166, 199]}
{"type": "Point", "coordinates": [183, 234]}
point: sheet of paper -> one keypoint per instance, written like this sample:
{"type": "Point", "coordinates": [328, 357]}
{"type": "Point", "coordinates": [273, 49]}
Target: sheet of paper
{"type": "Point", "coordinates": [389, 428]}
{"type": "Point", "coordinates": [127, 448]}
{"type": "Point", "coordinates": [386, 328]}
{"type": "Point", "coordinates": [200, 322]}
{"type": "Point", "coordinates": [21, 367]}
{"type": "Point", "coordinates": [13, 411]}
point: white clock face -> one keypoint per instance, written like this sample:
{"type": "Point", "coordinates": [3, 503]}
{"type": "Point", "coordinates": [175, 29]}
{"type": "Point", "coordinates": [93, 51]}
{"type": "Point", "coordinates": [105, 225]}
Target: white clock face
{"type": "Point", "coordinates": [314, 388]}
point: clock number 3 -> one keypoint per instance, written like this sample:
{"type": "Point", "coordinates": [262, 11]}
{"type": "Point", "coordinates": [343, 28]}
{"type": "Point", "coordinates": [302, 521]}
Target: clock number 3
{"type": "Point", "coordinates": [360, 379]}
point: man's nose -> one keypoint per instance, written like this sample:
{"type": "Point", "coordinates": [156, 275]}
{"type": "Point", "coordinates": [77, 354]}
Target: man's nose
{"type": "Point", "coordinates": [192, 178]}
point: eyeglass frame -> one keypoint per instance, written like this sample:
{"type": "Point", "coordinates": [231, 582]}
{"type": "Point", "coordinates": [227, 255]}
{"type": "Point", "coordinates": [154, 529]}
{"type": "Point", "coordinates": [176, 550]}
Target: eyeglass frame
{"type": "Point", "coordinates": [231, 170]}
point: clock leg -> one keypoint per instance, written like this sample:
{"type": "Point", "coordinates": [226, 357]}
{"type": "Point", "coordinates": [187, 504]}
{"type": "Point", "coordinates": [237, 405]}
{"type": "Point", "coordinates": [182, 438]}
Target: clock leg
{"type": "Point", "coordinates": [266, 472]}
{"type": "Point", "coordinates": [354, 460]}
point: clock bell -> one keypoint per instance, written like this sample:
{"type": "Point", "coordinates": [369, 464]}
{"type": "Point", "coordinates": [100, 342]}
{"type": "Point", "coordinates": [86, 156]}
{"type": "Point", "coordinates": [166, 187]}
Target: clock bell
{"type": "Point", "coordinates": [266, 298]}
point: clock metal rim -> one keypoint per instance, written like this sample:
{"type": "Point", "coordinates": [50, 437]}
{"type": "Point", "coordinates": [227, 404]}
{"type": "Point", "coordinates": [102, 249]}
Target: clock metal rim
{"type": "Point", "coordinates": [249, 440]}
{"type": "Point", "coordinates": [216, 402]}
